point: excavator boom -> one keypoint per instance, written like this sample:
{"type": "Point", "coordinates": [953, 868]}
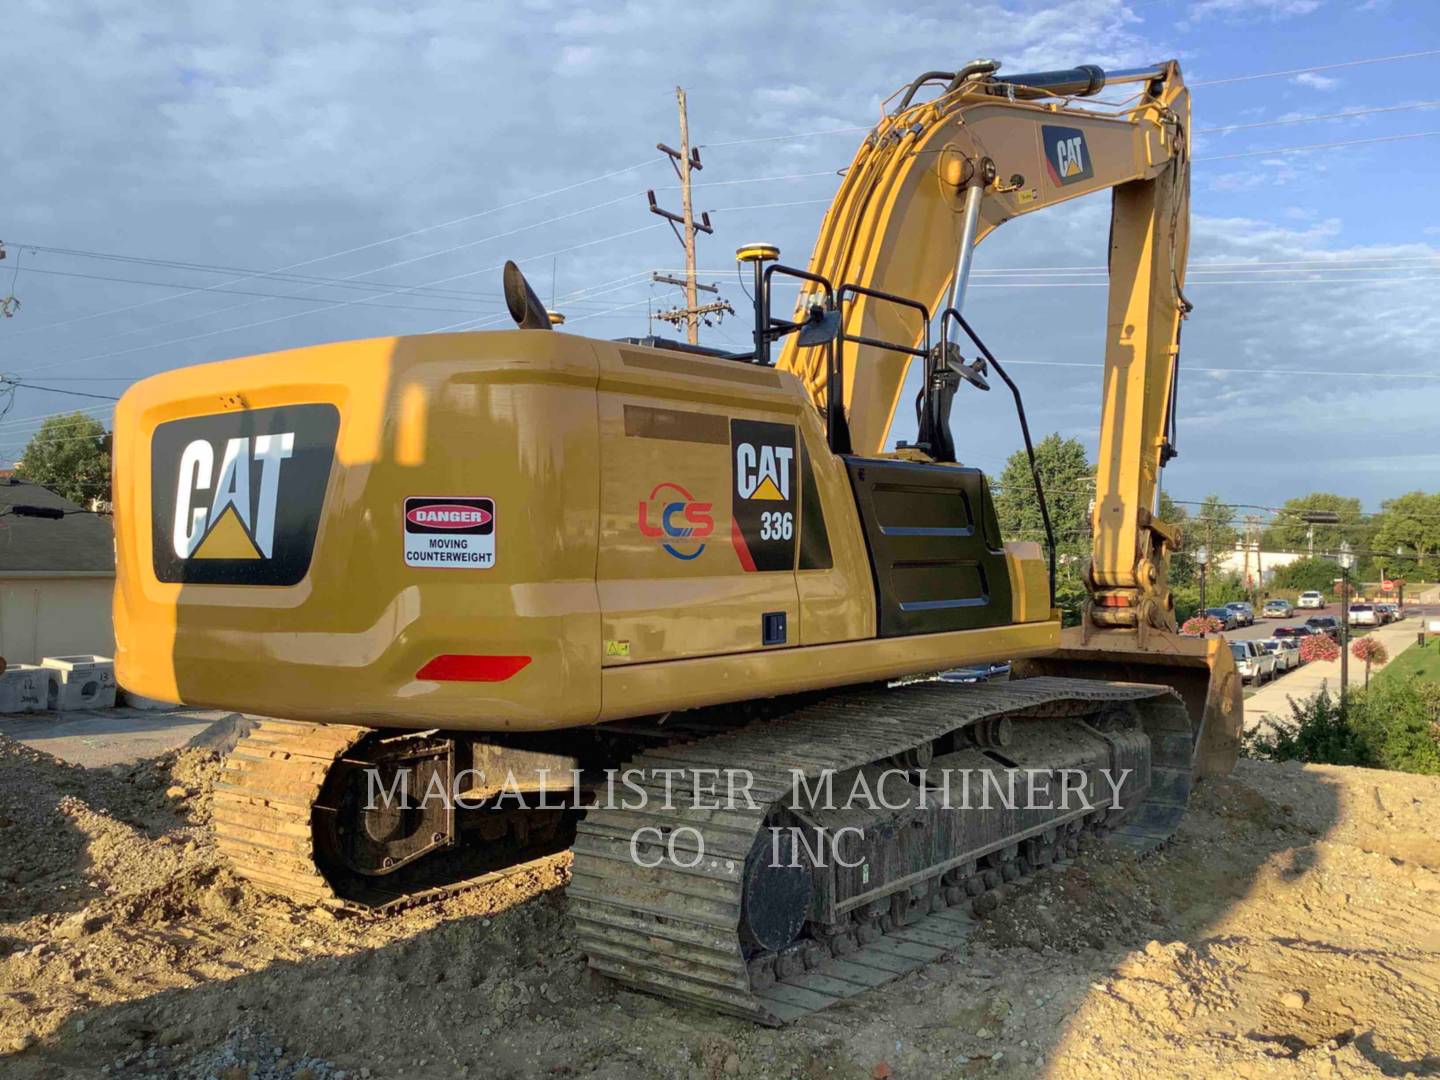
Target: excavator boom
{"type": "Point", "coordinates": [932, 180]}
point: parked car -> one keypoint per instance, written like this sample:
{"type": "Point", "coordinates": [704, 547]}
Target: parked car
{"type": "Point", "coordinates": [980, 673]}
{"type": "Point", "coordinates": [1392, 611]}
{"type": "Point", "coordinates": [1244, 613]}
{"type": "Point", "coordinates": [1277, 609]}
{"type": "Point", "coordinates": [1286, 652]}
{"type": "Point", "coordinates": [1325, 624]}
{"type": "Point", "coordinates": [1253, 661]}
{"type": "Point", "coordinates": [1364, 615]}
{"type": "Point", "coordinates": [1228, 620]}
{"type": "Point", "coordinates": [1311, 599]}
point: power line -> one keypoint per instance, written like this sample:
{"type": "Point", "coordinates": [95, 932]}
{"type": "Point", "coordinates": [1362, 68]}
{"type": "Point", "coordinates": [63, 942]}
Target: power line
{"type": "Point", "coordinates": [780, 138]}
{"type": "Point", "coordinates": [629, 281]}
{"type": "Point", "coordinates": [755, 180]}
{"type": "Point", "coordinates": [1184, 367]}
{"type": "Point", "coordinates": [234, 292]}
{"type": "Point", "coordinates": [393, 265]}
{"type": "Point", "coordinates": [1318, 67]}
{"type": "Point", "coordinates": [475, 298]}
{"type": "Point", "coordinates": [325, 305]}
{"type": "Point", "coordinates": [373, 244]}
{"type": "Point", "coordinates": [13, 429]}
{"type": "Point", "coordinates": [211, 268]}
{"type": "Point", "coordinates": [1317, 146]}
{"type": "Point", "coordinates": [1318, 264]}
{"type": "Point", "coordinates": [17, 384]}
{"type": "Point", "coordinates": [1194, 267]}
{"type": "Point", "coordinates": [1200, 282]}
{"type": "Point", "coordinates": [1323, 116]}
{"type": "Point", "coordinates": [770, 206]}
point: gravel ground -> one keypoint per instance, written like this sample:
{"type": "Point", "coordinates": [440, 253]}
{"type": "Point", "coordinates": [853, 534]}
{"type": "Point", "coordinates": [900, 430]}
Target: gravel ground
{"type": "Point", "coordinates": [1292, 929]}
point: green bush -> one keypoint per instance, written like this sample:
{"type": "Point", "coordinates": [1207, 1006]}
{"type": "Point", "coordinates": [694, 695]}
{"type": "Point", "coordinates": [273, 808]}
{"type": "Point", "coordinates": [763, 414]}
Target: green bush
{"type": "Point", "coordinates": [1400, 721]}
{"type": "Point", "coordinates": [1187, 601]}
{"type": "Point", "coordinates": [1395, 724]}
{"type": "Point", "coordinates": [1070, 595]}
{"type": "Point", "coordinates": [1317, 732]}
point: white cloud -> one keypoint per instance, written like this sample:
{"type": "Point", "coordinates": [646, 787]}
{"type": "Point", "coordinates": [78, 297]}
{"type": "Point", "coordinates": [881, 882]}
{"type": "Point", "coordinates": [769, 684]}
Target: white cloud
{"type": "Point", "coordinates": [1250, 9]}
{"type": "Point", "coordinates": [1316, 82]}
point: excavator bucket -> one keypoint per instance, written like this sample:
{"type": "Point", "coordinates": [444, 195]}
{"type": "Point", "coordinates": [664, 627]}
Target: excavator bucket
{"type": "Point", "coordinates": [1201, 670]}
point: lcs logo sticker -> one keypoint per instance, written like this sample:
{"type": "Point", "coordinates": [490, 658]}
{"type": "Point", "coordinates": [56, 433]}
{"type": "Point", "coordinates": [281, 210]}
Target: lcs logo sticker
{"type": "Point", "coordinates": [762, 528]}
{"type": "Point", "coordinates": [673, 516]}
{"type": "Point", "coordinates": [1067, 156]}
{"type": "Point", "coordinates": [236, 497]}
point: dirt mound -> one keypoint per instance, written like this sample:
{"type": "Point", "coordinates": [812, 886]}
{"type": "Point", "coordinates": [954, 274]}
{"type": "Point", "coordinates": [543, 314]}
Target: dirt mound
{"type": "Point", "coordinates": [1291, 928]}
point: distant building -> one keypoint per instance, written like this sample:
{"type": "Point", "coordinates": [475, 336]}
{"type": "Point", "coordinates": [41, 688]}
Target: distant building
{"type": "Point", "coordinates": [1255, 565]}
{"type": "Point", "coordinates": [57, 575]}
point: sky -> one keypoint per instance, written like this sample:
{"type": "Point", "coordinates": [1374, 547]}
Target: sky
{"type": "Point", "coordinates": [387, 146]}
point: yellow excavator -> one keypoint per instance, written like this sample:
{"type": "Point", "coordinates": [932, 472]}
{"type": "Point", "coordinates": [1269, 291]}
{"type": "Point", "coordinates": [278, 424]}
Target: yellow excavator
{"type": "Point", "coordinates": [505, 565]}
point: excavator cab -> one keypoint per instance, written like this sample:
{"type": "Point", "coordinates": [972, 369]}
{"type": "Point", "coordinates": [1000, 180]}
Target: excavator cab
{"type": "Point", "coordinates": [1200, 670]}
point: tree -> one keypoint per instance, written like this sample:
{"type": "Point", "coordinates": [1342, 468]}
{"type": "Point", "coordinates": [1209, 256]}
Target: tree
{"type": "Point", "coordinates": [69, 456]}
{"type": "Point", "coordinates": [1213, 529]}
{"type": "Point", "coordinates": [1182, 563]}
{"type": "Point", "coordinates": [1305, 574]}
{"type": "Point", "coordinates": [1069, 482]}
{"type": "Point", "coordinates": [1411, 523]}
{"type": "Point", "coordinates": [1290, 532]}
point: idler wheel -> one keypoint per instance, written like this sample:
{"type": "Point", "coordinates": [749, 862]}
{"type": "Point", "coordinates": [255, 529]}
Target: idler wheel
{"type": "Point", "coordinates": [776, 892]}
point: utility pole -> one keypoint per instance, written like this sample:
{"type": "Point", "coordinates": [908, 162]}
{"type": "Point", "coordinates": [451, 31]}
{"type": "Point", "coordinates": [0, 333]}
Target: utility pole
{"type": "Point", "coordinates": [719, 308]}
{"type": "Point", "coordinates": [692, 324]}
{"type": "Point", "coordinates": [1252, 538]}
{"type": "Point", "coordinates": [1346, 561]}
{"type": "Point", "coordinates": [685, 160]}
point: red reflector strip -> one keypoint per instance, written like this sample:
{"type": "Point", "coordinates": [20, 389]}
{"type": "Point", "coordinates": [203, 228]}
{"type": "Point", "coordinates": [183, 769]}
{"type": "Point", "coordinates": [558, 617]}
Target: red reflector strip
{"type": "Point", "coordinates": [1115, 601]}
{"type": "Point", "coordinates": [457, 667]}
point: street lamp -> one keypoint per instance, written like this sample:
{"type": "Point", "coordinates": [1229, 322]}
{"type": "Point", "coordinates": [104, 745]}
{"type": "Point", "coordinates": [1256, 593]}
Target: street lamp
{"type": "Point", "coordinates": [1346, 560]}
{"type": "Point", "coordinates": [1202, 556]}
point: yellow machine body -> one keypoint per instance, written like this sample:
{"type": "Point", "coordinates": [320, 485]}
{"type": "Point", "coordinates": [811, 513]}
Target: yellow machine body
{"type": "Point", "coordinates": [438, 550]}
{"type": "Point", "coordinates": [615, 476]}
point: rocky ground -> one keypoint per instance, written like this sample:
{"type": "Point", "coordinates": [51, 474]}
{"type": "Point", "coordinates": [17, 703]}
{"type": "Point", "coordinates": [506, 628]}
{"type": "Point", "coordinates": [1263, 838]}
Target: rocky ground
{"type": "Point", "coordinates": [1292, 929]}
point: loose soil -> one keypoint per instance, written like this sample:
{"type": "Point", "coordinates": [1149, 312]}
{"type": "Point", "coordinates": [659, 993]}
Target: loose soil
{"type": "Point", "coordinates": [1292, 928]}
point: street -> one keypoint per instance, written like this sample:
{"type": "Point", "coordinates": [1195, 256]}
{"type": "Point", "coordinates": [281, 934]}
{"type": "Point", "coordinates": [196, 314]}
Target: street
{"type": "Point", "coordinates": [1274, 698]}
{"type": "Point", "coordinates": [1265, 628]}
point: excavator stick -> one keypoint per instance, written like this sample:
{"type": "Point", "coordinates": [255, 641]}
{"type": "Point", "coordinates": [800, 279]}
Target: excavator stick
{"type": "Point", "coordinates": [1201, 670]}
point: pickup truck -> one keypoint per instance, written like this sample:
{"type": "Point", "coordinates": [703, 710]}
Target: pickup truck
{"type": "Point", "coordinates": [1364, 615]}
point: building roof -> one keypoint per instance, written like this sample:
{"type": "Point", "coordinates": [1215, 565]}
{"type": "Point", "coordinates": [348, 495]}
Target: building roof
{"type": "Point", "coordinates": [77, 542]}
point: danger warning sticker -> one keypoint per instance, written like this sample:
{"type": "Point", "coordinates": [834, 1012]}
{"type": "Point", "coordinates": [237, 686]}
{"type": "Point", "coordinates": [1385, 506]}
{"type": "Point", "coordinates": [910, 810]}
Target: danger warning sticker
{"type": "Point", "coordinates": [455, 532]}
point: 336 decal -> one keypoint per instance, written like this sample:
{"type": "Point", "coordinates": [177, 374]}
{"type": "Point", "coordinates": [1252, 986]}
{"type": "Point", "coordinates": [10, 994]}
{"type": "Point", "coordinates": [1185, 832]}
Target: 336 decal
{"type": "Point", "coordinates": [763, 504]}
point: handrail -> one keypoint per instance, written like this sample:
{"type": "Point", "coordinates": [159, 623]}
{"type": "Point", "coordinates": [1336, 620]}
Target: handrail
{"type": "Point", "coordinates": [835, 377]}
{"type": "Point", "coordinates": [945, 317]}
{"type": "Point", "coordinates": [767, 328]}
{"type": "Point", "coordinates": [893, 298]}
